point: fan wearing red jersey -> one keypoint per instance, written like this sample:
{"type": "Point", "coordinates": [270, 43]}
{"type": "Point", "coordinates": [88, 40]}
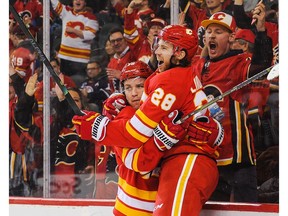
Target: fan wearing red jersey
{"type": "Point", "coordinates": [139, 42]}
{"type": "Point", "coordinates": [23, 57]}
{"type": "Point", "coordinates": [221, 70]}
{"type": "Point", "coordinates": [193, 164]}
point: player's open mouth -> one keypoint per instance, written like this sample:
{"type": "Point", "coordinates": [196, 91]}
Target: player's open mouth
{"type": "Point", "coordinates": [160, 62]}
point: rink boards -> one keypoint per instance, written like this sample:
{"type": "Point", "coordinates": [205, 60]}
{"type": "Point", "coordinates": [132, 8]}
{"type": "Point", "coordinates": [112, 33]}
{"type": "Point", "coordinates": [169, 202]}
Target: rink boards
{"type": "Point", "coordinates": [88, 207]}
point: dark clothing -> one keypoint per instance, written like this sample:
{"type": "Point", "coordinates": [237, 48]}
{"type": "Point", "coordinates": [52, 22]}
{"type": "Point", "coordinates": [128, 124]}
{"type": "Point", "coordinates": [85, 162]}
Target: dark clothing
{"type": "Point", "coordinates": [97, 88]}
{"type": "Point", "coordinates": [236, 183]}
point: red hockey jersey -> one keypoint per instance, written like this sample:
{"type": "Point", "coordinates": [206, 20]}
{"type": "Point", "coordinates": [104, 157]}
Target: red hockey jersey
{"type": "Point", "coordinates": [174, 89]}
{"type": "Point", "coordinates": [22, 60]}
{"type": "Point", "coordinates": [136, 194]}
{"type": "Point", "coordinates": [217, 77]}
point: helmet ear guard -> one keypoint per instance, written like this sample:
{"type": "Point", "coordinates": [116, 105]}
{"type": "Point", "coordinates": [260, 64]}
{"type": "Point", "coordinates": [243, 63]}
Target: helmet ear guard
{"type": "Point", "coordinates": [178, 52]}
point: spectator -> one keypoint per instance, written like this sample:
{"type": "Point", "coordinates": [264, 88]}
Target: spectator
{"type": "Point", "coordinates": [70, 154]}
{"type": "Point", "coordinates": [22, 158]}
{"type": "Point", "coordinates": [143, 15]}
{"type": "Point", "coordinates": [208, 8]}
{"type": "Point", "coordinates": [23, 56]}
{"type": "Point", "coordinates": [122, 56]}
{"type": "Point", "coordinates": [244, 39]}
{"type": "Point", "coordinates": [109, 51]}
{"type": "Point", "coordinates": [140, 44]}
{"type": "Point", "coordinates": [106, 55]}
{"type": "Point", "coordinates": [221, 70]}
{"type": "Point", "coordinates": [31, 7]}
{"type": "Point", "coordinates": [68, 81]}
{"type": "Point", "coordinates": [79, 27]}
{"type": "Point", "coordinates": [244, 21]}
{"type": "Point", "coordinates": [17, 173]}
{"type": "Point", "coordinates": [56, 67]}
{"type": "Point", "coordinates": [65, 165]}
{"type": "Point", "coordinates": [96, 87]}
{"type": "Point", "coordinates": [259, 89]}
{"type": "Point", "coordinates": [163, 9]}
{"type": "Point", "coordinates": [12, 93]}
{"type": "Point", "coordinates": [197, 15]}
{"type": "Point", "coordinates": [26, 16]}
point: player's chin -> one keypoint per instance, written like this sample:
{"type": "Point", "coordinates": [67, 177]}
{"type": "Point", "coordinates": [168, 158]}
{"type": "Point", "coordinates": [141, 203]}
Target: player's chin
{"type": "Point", "coordinates": [161, 67]}
{"type": "Point", "coordinates": [135, 105]}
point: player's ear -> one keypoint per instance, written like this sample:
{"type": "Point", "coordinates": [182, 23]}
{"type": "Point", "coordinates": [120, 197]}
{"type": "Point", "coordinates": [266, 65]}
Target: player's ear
{"type": "Point", "coordinates": [180, 54]}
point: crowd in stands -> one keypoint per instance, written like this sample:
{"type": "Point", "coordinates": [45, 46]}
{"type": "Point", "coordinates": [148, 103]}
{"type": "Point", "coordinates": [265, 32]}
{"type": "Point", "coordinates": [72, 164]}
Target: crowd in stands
{"type": "Point", "coordinates": [91, 42]}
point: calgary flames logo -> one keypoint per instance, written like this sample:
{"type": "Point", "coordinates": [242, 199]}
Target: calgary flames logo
{"type": "Point", "coordinates": [74, 25]}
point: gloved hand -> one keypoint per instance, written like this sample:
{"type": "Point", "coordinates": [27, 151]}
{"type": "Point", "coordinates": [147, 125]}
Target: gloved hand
{"type": "Point", "coordinates": [113, 105]}
{"type": "Point", "coordinates": [91, 125]}
{"type": "Point", "coordinates": [205, 131]}
{"type": "Point", "coordinates": [200, 34]}
{"type": "Point", "coordinates": [168, 133]}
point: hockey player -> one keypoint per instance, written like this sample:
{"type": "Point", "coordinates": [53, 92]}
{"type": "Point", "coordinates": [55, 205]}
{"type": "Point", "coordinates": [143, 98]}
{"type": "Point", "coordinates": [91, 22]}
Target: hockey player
{"type": "Point", "coordinates": [188, 174]}
{"type": "Point", "coordinates": [136, 193]}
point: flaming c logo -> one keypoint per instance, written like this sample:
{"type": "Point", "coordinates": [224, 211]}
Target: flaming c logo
{"type": "Point", "coordinates": [75, 25]}
{"type": "Point", "coordinates": [219, 16]}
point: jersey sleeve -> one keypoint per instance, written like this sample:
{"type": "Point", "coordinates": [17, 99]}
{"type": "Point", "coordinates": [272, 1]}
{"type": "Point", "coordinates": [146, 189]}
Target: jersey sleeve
{"type": "Point", "coordinates": [162, 97]}
{"type": "Point", "coordinates": [143, 159]}
{"type": "Point", "coordinates": [117, 135]}
{"type": "Point", "coordinates": [91, 27]}
{"type": "Point", "coordinates": [130, 29]}
{"type": "Point", "coordinates": [57, 6]}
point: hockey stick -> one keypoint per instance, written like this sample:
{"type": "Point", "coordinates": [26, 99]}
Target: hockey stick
{"type": "Point", "coordinates": [44, 59]}
{"type": "Point", "coordinates": [235, 88]}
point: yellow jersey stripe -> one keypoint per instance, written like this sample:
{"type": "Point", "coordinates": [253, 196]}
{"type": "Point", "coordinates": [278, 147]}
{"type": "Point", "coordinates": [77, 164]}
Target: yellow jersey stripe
{"type": "Point", "coordinates": [238, 134]}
